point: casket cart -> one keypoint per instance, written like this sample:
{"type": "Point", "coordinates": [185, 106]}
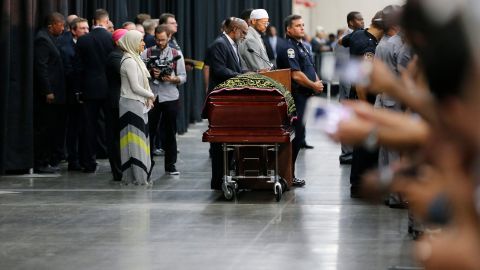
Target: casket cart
{"type": "Point", "coordinates": [250, 117]}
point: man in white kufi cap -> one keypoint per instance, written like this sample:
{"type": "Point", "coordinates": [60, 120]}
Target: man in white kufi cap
{"type": "Point", "coordinates": [252, 50]}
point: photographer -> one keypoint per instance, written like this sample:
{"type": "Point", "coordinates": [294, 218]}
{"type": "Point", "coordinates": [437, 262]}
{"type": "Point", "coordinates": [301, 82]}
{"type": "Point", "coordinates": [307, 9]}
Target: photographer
{"type": "Point", "coordinates": [167, 74]}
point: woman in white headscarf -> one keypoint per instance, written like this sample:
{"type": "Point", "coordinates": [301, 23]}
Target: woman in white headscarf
{"type": "Point", "coordinates": [136, 98]}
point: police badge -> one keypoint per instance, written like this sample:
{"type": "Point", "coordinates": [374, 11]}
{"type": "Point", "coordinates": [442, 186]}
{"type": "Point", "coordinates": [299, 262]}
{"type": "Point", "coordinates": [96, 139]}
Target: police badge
{"type": "Point", "coordinates": [291, 53]}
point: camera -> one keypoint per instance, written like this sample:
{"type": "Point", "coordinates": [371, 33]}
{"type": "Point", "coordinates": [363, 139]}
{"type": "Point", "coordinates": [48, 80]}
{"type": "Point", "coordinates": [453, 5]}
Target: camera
{"type": "Point", "coordinates": [165, 66]}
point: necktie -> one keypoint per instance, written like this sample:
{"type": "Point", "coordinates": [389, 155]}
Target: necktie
{"type": "Point", "coordinates": [236, 53]}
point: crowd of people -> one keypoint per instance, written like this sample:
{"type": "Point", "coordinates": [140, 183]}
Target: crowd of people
{"type": "Point", "coordinates": [98, 82]}
{"type": "Point", "coordinates": [411, 138]}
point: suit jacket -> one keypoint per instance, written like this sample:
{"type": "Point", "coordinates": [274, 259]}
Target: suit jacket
{"type": "Point", "coordinates": [251, 60]}
{"type": "Point", "coordinates": [48, 68]}
{"type": "Point", "coordinates": [93, 50]}
{"type": "Point", "coordinates": [114, 62]}
{"type": "Point", "coordinates": [149, 40]}
{"type": "Point", "coordinates": [71, 67]}
{"type": "Point", "coordinates": [269, 48]}
{"type": "Point", "coordinates": [223, 63]}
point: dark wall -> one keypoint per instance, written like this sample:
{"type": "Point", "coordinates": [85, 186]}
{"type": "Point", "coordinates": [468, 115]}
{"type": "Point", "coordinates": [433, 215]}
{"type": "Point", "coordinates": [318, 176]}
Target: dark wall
{"type": "Point", "coordinates": [199, 21]}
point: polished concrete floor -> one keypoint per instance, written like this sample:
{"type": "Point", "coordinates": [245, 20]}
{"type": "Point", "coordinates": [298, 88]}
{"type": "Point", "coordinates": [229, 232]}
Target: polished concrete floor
{"type": "Point", "coordinates": [86, 221]}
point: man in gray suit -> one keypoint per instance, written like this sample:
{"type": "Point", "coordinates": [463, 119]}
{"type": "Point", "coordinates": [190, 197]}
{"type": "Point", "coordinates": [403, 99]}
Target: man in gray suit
{"type": "Point", "coordinates": [252, 51]}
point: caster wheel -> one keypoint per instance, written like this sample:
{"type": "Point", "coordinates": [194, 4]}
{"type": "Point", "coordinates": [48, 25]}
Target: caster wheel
{"type": "Point", "coordinates": [278, 193]}
{"type": "Point", "coordinates": [283, 182]}
{"type": "Point", "coordinates": [229, 193]}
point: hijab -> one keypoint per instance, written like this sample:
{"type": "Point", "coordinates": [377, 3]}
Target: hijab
{"type": "Point", "coordinates": [130, 43]}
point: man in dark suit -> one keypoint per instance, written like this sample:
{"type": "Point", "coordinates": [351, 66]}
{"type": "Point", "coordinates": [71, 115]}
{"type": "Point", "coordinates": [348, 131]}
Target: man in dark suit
{"type": "Point", "coordinates": [114, 63]}
{"type": "Point", "coordinates": [78, 28]}
{"type": "Point", "coordinates": [272, 42]}
{"type": "Point", "coordinates": [224, 62]}
{"type": "Point", "coordinates": [93, 50]}
{"type": "Point", "coordinates": [223, 54]}
{"type": "Point", "coordinates": [49, 104]}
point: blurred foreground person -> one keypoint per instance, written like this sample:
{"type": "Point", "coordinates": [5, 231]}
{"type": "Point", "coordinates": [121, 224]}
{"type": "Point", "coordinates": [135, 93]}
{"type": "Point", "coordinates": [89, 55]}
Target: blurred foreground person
{"type": "Point", "coordinates": [440, 177]}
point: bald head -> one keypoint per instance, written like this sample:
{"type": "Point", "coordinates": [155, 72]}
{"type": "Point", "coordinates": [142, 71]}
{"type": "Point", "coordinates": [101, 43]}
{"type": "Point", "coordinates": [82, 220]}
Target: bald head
{"type": "Point", "coordinates": [236, 28]}
{"type": "Point", "coordinates": [233, 23]}
{"type": "Point", "coordinates": [70, 19]}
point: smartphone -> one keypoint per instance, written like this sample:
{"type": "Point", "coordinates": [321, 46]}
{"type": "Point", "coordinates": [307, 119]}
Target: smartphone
{"type": "Point", "coordinates": [325, 115]}
{"type": "Point", "coordinates": [352, 70]}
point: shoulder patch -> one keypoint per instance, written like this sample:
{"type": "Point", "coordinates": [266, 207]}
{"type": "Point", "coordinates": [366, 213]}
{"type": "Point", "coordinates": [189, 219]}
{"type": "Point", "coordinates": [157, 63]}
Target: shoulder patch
{"type": "Point", "coordinates": [291, 53]}
{"type": "Point", "coordinates": [368, 56]}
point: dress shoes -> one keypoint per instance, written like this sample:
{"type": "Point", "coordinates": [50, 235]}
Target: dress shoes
{"type": "Point", "coordinates": [74, 167]}
{"type": "Point", "coordinates": [298, 182]}
{"type": "Point", "coordinates": [355, 192]}
{"type": "Point", "coordinates": [90, 170]}
{"type": "Point", "coordinates": [45, 169]}
{"type": "Point", "coordinates": [55, 168]}
{"type": "Point", "coordinates": [306, 146]}
{"type": "Point", "coordinates": [345, 161]}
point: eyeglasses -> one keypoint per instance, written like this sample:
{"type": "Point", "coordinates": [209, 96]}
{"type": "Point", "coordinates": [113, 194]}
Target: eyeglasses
{"type": "Point", "coordinates": [265, 23]}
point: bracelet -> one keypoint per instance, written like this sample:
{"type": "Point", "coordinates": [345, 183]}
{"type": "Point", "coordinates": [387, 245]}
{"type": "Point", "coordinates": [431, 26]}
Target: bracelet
{"type": "Point", "coordinates": [371, 141]}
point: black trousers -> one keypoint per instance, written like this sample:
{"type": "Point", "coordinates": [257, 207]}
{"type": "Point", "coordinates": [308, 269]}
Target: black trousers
{"type": "Point", "coordinates": [363, 161]}
{"type": "Point", "coordinates": [102, 147]}
{"type": "Point", "coordinates": [299, 126]}
{"type": "Point", "coordinates": [49, 133]}
{"type": "Point", "coordinates": [112, 135]}
{"type": "Point", "coordinates": [91, 114]}
{"type": "Point", "coordinates": [74, 127]}
{"type": "Point", "coordinates": [217, 165]}
{"type": "Point", "coordinates": [160, 135]}
{"type": "Point", "coordinates": [165, 112]}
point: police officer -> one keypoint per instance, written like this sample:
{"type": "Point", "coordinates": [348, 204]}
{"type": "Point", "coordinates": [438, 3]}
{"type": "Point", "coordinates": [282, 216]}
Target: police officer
{"type": "Point", "coordinates": [363, 43]}
{"type": "Point", "coordinates": [294, 55]}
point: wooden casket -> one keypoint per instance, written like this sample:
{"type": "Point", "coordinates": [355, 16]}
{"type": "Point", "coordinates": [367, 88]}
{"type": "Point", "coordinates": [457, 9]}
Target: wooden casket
{"type": "Point", "coordinates": [251, 115]}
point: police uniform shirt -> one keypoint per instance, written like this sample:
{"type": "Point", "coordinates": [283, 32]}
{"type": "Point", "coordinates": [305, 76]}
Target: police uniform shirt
{"type": "Point", "coordinates": [361, 43]}
{"type": "Point", "coordinates": [294, 55]}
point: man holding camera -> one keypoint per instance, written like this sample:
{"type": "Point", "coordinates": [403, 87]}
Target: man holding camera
{"type": "Point", "coordinates": [167, 74]}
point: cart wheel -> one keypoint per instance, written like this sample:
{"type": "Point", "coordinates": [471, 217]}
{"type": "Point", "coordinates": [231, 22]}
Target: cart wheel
{"type": "Point", "coordinates": [283, 182]}
{"type": "Point", "coordinates": [278, 193]}
{"type": "Point", "coordinates": [229, 193]}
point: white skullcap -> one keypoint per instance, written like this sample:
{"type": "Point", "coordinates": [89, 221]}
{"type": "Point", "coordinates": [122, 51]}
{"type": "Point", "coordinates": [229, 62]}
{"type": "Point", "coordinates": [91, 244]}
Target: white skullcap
{"type": "Point", "coordinates": [259, 14]}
